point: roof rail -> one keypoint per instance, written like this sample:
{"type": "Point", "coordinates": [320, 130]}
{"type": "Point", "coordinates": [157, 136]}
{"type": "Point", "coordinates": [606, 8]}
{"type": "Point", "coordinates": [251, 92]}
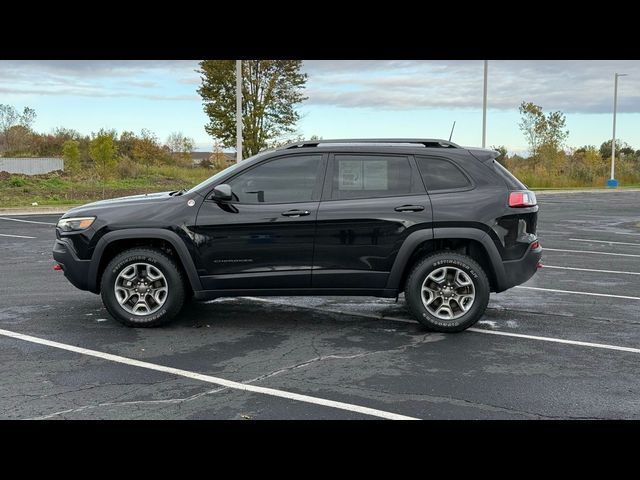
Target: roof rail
{"type": "Point", "coordinates": [426, 142]}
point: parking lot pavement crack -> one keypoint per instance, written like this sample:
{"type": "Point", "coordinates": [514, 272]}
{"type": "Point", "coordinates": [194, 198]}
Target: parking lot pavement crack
{"type": "Point", "coordinates": [79, 389]}
{"type": "Point", "coordinates": [426, 338]}
{"type": "Point", "coordinates": [136, 403]}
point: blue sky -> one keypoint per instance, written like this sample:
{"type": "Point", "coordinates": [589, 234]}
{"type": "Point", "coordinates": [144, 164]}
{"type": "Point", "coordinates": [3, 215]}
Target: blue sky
{"type": "Point", "coordinates": [366, 98]}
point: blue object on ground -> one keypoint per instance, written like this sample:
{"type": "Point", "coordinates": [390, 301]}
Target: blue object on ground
{"type": "Point", "coordinates": [612, 183]}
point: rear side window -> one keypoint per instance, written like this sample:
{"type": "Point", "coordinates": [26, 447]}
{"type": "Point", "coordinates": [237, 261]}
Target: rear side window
{"type": "Point", "coordinates": [370, 176]}
{"type": "Point", "coordinates": [511, 181]}
{"type": "Point", "coordinates": [440, 174]}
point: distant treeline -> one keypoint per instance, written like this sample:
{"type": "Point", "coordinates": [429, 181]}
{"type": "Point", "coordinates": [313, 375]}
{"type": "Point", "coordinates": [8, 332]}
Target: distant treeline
{"type": "Point", "coordinates": [552, 164]}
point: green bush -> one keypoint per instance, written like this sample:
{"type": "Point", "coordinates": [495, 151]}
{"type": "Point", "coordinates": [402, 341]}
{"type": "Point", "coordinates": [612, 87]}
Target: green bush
{"type": "Point", "coordinates": [17, 182]}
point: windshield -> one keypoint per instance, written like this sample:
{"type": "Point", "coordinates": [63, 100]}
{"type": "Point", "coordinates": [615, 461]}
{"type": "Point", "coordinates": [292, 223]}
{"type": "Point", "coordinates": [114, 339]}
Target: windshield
{"type": "Point", "coordinates": [210, 182]}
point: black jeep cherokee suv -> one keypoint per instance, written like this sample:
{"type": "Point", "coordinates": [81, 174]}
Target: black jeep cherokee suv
{"type": "Point", "coordinates": [444, 224]}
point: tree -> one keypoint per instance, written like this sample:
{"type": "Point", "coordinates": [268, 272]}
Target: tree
{"type": "Point", "coordinates": [532, 124]}
{"type": "Point", "coordinates": [126, 143]}
{"type": "Point", "coordinates": [103, 153]}
{"type": "Point", "coordinates": [147, 149]}
{"type": "Point", "coordinates": [555, 134]}
{"type": "Point", "coordinates": [20, 140]}
{"type": "Point", "coordinates": [71, 156]}
{"type": "Point", "coordinates": [621, 148]}
{"type": "Point", "coordinates": [542, 131]}
{"type": "Point", "coordinates": [180, 147]}
{"type": "Point", "coordinates": [271, 90]}
{"type": "Point", "coordinates": [217, 160]}
{"type": "Point", "coordinates": [9, 118]}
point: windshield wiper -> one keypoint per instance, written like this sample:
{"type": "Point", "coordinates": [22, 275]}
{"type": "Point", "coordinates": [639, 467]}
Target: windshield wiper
{"type": "Point", "coordinates": [177, 193]}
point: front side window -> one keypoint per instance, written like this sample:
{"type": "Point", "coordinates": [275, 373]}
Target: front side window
{"type": "Point", "coordinates": [284, 180]}
{"type": "Point", "coordinates": [370, 176]}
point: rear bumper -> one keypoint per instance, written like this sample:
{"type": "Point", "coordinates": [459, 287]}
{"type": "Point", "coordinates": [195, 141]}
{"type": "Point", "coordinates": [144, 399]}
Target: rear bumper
{"type": "Point", "coordinates": [76, 270]}
{"type": "Point", "coordinates": [519, 271]}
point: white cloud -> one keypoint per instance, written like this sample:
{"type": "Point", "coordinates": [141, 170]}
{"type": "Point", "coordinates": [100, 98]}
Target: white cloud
{"type": "Point", "coordinates": [576, 86]}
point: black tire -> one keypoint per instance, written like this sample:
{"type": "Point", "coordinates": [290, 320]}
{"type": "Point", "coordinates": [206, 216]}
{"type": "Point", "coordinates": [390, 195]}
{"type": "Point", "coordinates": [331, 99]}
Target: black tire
{"type": "Point", "coordinates": [413, 291]}
{"type": "Point", "coordinates": [175, 284]}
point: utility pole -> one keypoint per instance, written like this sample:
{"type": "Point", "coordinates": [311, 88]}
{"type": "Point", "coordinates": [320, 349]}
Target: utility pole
{"type": "Point", "coordinates": [484, 106]}
{"type": "Point", "coordinates": [238, 111]}
{"type": "Point", "coordinates": [612, 182]}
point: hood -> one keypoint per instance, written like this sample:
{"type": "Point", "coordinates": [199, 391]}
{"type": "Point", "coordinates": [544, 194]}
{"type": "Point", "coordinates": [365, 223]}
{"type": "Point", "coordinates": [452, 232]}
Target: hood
{"type": "Point", "coordinates": [121, 202]}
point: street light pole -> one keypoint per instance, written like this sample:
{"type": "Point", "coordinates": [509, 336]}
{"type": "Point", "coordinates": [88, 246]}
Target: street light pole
{"type": "Point", "coordinates": [238, 111]}
{"type": "Point", "coordinates": [484, 106]}
{"type": "Point", "coordinates": [612, 181]}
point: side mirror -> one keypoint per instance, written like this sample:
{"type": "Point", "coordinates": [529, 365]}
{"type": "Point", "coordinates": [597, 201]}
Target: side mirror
{"type": "Point", "coordinates": [222, 193]}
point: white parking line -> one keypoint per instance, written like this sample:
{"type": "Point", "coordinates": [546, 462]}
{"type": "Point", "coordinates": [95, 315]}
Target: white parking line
{"type": "Point", "coordinates": [210, 379]}
{"type": "Point", "coordinates": [589, 251]}
{"type": "Point", "coordinates": [25, 221]}
{"type": "Point", "coordinates": [14, 236]}
{"type": "Point", "coordinates": [604, 241]}
{"type": "Point", "coordinates": [476, 330]}
{"type": "Point", "coordinates": [579, 293]}
{"type": "Point", "coordinates": [556, 340]}
{"type": "Point", "coordinates": [591, 270]}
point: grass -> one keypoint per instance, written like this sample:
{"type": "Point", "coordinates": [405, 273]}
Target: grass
{"type": "Point", "coordinates": [62, 189]}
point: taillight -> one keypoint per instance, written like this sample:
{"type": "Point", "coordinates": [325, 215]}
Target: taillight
{"type": "Point", "coordinates": [522, 199]}
{"type": "Point", "coordinates": [535, 245]}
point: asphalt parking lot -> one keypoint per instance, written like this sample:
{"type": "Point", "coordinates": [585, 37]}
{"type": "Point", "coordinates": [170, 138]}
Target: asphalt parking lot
{"type": "Point", "coordinates": [564, 345]}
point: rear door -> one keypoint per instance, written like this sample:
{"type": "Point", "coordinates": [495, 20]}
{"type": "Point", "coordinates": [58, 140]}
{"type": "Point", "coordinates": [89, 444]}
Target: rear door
{"type": "Point", "coordinates": [370, 204]}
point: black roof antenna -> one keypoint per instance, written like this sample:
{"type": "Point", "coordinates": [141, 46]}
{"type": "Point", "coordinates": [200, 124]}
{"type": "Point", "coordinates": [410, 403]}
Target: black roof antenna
{"type": "Point", "coordinates": [451, 134]}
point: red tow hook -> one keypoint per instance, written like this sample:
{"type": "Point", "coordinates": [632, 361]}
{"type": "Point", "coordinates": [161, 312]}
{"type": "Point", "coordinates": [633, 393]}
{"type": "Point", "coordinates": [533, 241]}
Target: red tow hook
{"type": "Point", "coordinates": [57, 267]}
{"type": "Point", "coordinates": [534, 246]}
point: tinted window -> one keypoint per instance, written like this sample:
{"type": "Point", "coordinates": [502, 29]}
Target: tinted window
{"type": "Point", "coordinates": [285, 180]}
{"type": "Point", "coordinates": [508, 177]}
{"type": "Point", "coordinates": [360, 176]}
{"type": "Point", "coordinates": [441, 174]}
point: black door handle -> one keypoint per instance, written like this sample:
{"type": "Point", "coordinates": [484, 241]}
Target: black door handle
{"type": "Point", "coordinates": [409, 208]}
{"type": "Point", "coordinates": [295, 213]}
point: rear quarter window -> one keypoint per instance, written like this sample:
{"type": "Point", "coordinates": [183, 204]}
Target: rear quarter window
{"type": "Point", "coordinates": [441, 174]}
{"type": "Point", "coordinates": [512, 182]}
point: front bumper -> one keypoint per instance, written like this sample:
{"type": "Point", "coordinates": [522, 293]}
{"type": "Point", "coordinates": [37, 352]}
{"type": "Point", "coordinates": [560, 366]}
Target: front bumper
{"type": "Point", "coordinates": [516, 272]}
{"type": "Point", "coordinates": [76, 270]}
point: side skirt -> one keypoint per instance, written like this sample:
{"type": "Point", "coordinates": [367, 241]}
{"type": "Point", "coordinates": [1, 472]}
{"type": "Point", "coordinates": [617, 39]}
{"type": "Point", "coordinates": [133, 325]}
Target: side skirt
{"type": "Point", "coordinates": [290, 292]}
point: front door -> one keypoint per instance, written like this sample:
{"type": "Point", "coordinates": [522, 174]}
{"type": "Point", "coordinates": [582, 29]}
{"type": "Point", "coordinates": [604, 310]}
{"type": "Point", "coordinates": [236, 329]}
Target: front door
{"type": "Point", "coordinates": [264, 237]}
{"type": "Point", "coordinates": [371, 203]}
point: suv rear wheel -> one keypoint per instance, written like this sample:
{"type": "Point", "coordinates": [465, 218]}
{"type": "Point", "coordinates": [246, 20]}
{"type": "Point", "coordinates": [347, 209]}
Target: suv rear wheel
{"type": "Point", "coordinates": [447, 292]}
{"type": "Point", "coordinates": [142, 287]}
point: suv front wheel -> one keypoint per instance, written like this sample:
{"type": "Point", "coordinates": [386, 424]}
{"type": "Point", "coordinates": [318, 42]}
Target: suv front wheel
{"type": "Point", "coordinates": [447, 292]}
{"type": "Point", "coordinates": [142, 287]}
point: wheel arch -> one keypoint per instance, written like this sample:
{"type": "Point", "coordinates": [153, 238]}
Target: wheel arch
{"type": "Point", "coordinates": [115, 242]}
{"type": "Point", "coordinates": [469, 241]}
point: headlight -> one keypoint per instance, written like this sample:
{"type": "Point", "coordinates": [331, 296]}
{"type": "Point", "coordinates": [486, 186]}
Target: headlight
{"type": "Point", "coordinates": [74, 224]}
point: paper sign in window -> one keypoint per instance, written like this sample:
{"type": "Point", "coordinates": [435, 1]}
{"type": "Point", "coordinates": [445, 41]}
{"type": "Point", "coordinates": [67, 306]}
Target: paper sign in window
{"type": "Point", "coordinates": [376, 175]}
{"type": "Point", "coordinates": [350, 175]}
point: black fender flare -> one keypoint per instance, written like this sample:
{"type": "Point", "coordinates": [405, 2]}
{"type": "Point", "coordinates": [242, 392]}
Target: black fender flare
{"type": "Point", "coordinates": [155, 233]}
{"type": "Point", "coordinates": [412, 242]}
